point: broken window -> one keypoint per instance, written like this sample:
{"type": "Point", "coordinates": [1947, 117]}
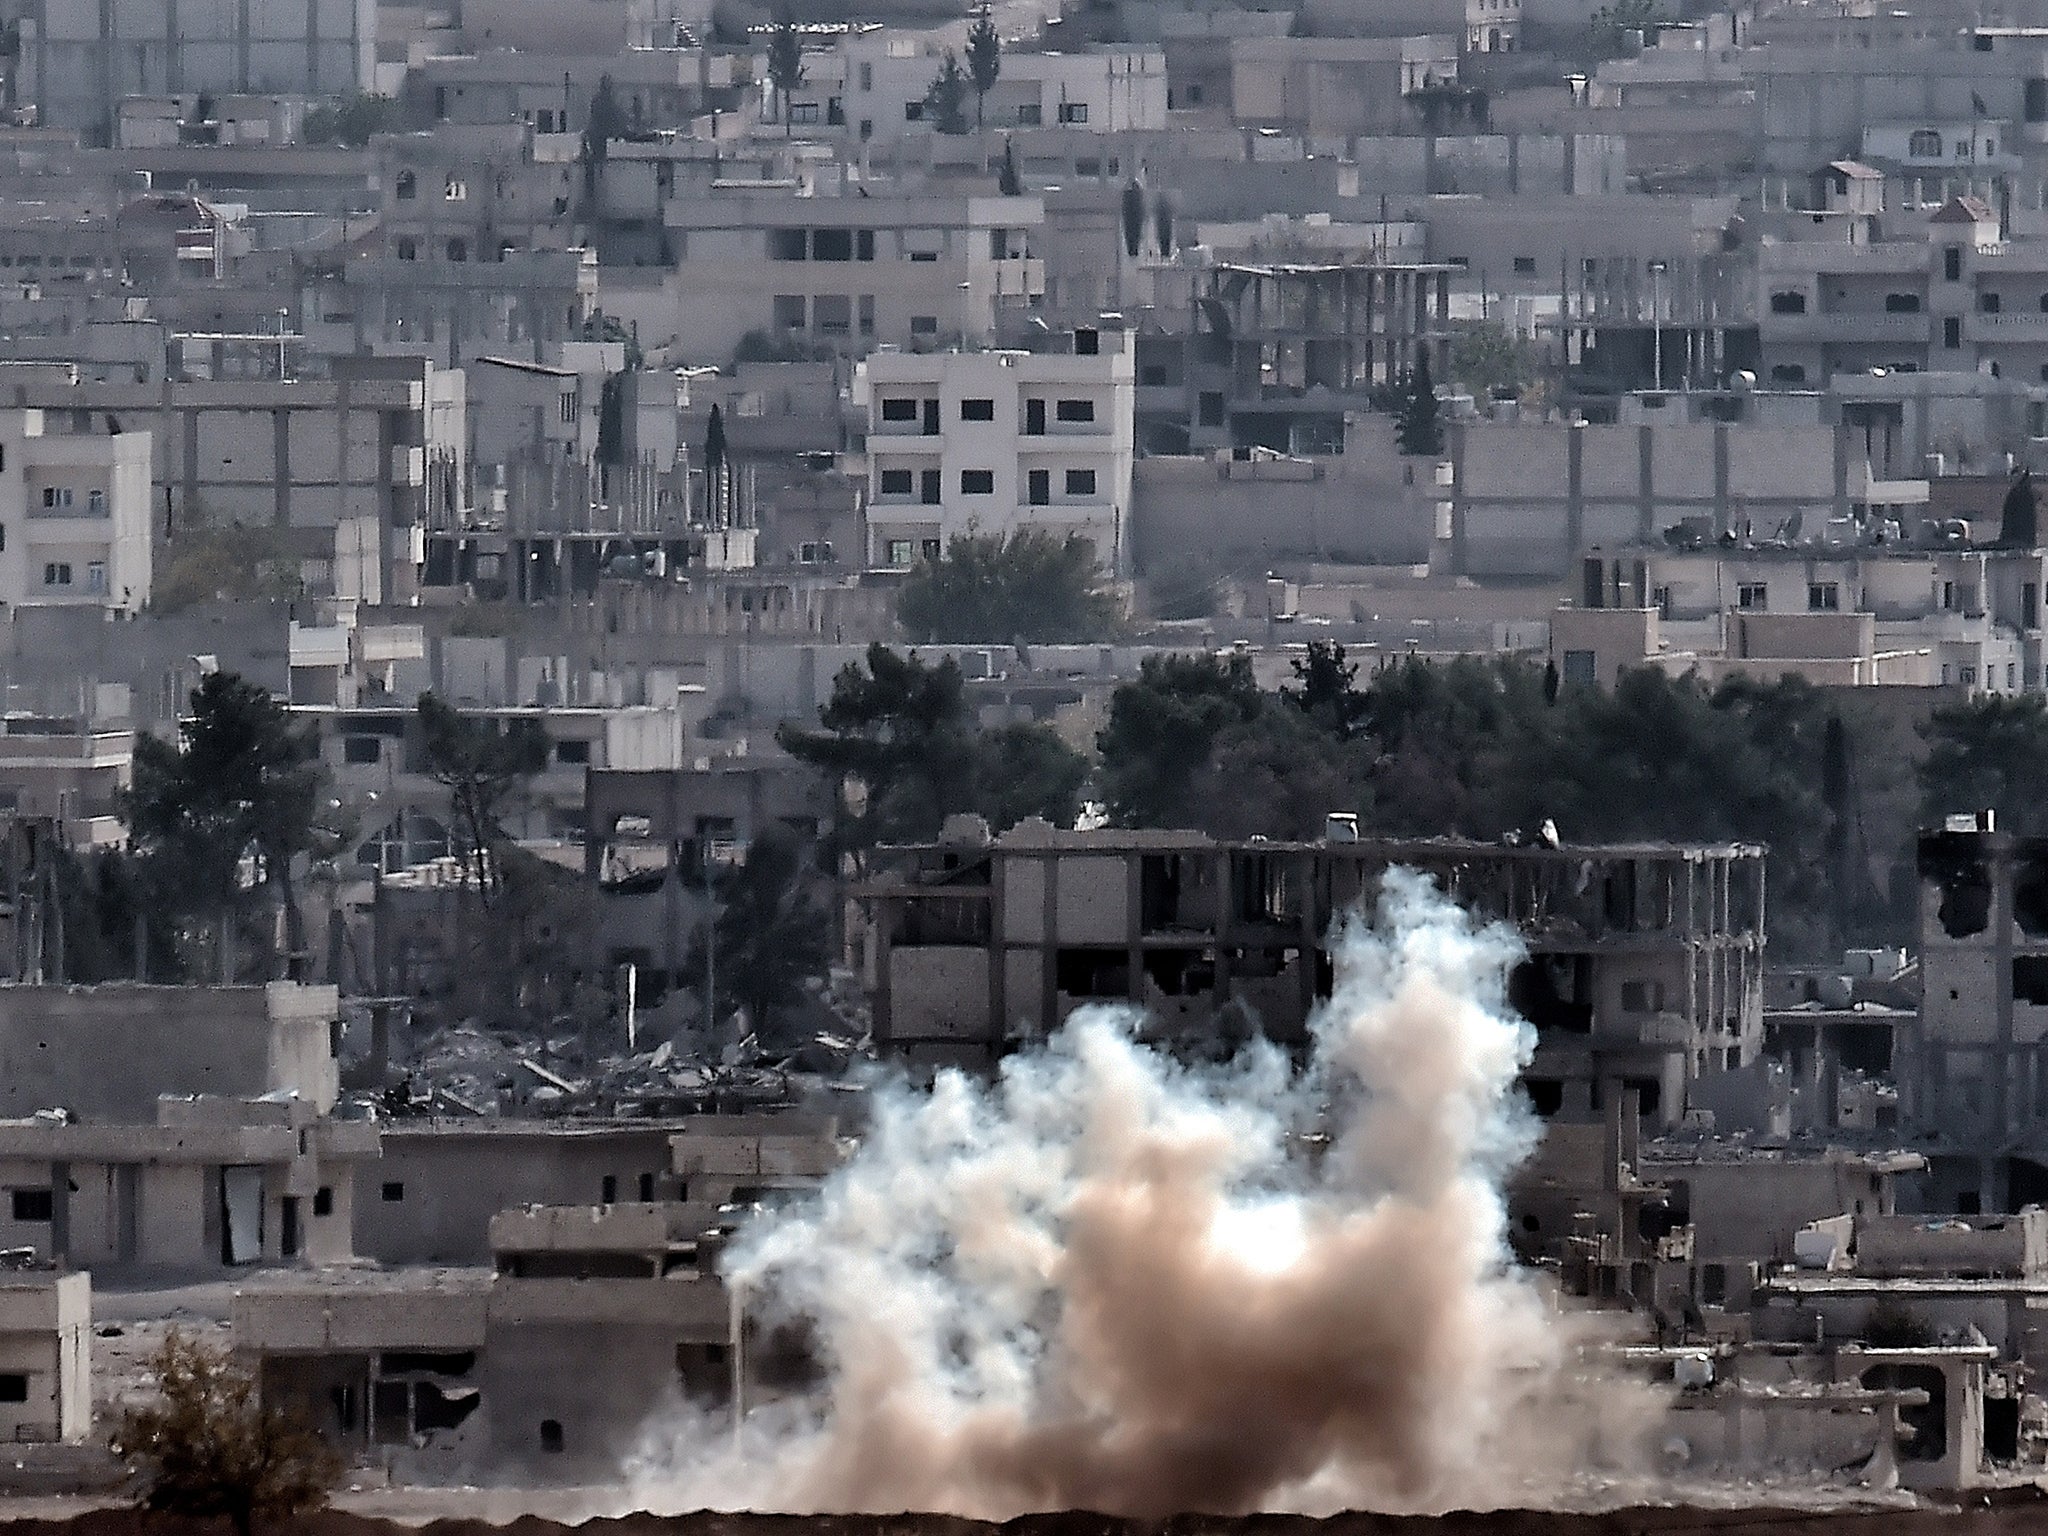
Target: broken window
{"type": "Point", "coordinates": [433, 1362]}
{"type": "Point", "coordinates": [1086, 972]}
{"type": "Point", "coordinates": [1951, 861]}
{"type": "Point", "coordinates": [323, 1201]}
{"type": "Point", "coordinates": [33, 1205]}
{"type": "Point", "coordinates": [241, 1209]}
{"type": "Point", "coordinates": [1159, 881]}
{"type": "Point", "coordinates": [1642, 997]}
{"type": "Point", "coordinates": [1546, 1095]}
{"type": "Point", "coordinates": [435, 1408]}
{"type": "Point", "coordinates": [1923, 1426]}
{"type": "Point", "coordinates": [2030, 890]}
{"type": "Point", "coordinates": [1181, 972]}
{"type": "Point", "coordinates": [1553, 992]}
{"type": "Point", "coordinates": [391, 1412]}
{"type": "Point", "coordinates": [2030, 979]}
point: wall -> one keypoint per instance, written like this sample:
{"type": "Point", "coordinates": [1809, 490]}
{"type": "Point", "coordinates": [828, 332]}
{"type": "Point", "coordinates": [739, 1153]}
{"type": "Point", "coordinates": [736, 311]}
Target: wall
{"type": "Point", "coordinates": [56, 1044]}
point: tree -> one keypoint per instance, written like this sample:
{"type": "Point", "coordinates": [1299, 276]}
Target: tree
{"type": "Point", "coordinates": [1608, 31]}
{"type": "Point", "coordinates": [1988, 753]}
{"type": "Point", "coordinates": [945, 99]}
{"type": "Point", "coordinates": [2019, 516]}
{"type": "Point", "coordinates": [605, 121]}
{"type": "Point", "coordinates": [240, 787]}
{"type": "Point", "coordinates": [770, 929]}
{"type": "Point", "coordinates": [207, 1447]}
{"type": "Point", "coordinates": [228, 564]}
{"type": "Point", "coordinates": [1161, 728]}
{"type": "Point", "coordinates": [1421, 429]}
{"type": "Point", "coordinates": [1027, 588]}
{"type": "Point", "coordinates": [1328, 692]}
{"type": "Point", "coordinates": [352, 124]}
{"type": "Point", "coordinates": [1162, 224]}
{"type": "Point", "coordinates": [482, 767]}
{"type": "Point", "coordinates": [785, 61]}
{"type": "Point", "coordinates": [1487, 359]}
{"type": "Point", "coordinates": [984, 58]}
{"type": "Point", "coordinates": [1134, 219]}
{"type": "Point", "coordinates": [1008, 182]}
{"type": "Point", "coordinates": [899, 740]}
{"type": "Point", "coordinates": [1275, 775]}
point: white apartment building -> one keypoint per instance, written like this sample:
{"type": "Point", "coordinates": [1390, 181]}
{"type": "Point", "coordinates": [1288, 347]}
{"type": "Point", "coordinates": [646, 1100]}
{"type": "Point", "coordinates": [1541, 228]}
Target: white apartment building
{"type": "Point", "coordinates": [992, 442]}
{"type": "Point", "coordinates": [74, 517]}
{"type": "Point", "coordinates": [848, 273]}
{"type": "Point", "coordinates": [872, 90]}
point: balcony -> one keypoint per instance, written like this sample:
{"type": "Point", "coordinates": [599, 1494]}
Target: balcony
{"type": "Point", "coordinates": [1845, 326]}
{"type": "Point", "coordinates": [1828, 257]}
{"type": "Point", "coordinates": [2017, 326]}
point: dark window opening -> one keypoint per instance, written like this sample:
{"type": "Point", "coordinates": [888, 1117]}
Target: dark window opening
{"type": "Point", "coordinates": [608, 1190]}
{"type": "Point", "coordinates": [434, 1362]}
{"type": "Point", "coordinates": [551, 1436]}
{"type": "Point", "coordinates": [1553, 992]}
{"type": "Point", "coordinates": [323, 1201]}
{"type": "Point", "coordinates": [1923, 1427]}
{"type": "Point", "coordinates": [2030, 895]}
{"type": "Point", "coordinates": [33, 1204]}
{"type": "Point", "coordinates": [1546, 1095]}
{"type": "Point", "coordinates": [434, 1409]}
{"type": "Point", "coordinates": [1093, 972]}
{"type": "Point", "coordinates": [1181, 972]}
{"type": "Point", "coordinates": [393, 1192]}
{"type": "Point", "coordinates": [2030, 979]}
{"type": "Point", "coordinates": [13, 1387]}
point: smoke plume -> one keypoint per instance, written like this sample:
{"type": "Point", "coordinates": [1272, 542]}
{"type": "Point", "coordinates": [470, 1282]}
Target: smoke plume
{"type": "Point", "coordinates": [1112, 1281]}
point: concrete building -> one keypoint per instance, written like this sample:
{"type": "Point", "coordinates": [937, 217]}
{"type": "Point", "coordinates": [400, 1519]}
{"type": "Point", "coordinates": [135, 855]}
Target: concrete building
{"type": "Point", "coordinates": [79, 506]}
{"type": "Point", "coordinates": [871, 91]}
{"type": "Point", "coordinates": [78, 59]}
{"type": "Point", "coordinates": [1920, 613]}
{"type": "Point", "coordinates": [45, 1356]}
{"type": "Point", "coordinates": [846, 272]}
{"type": "Point", "coordinates": [996, 442]}
{"type": "Point", "coordinates": [977, 948]}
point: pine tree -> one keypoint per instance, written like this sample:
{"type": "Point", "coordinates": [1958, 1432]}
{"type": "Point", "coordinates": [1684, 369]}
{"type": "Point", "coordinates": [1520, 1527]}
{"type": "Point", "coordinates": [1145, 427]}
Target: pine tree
{"type": "Point", "coordinates": [1421, 429]}
{"type": "Point", "coordinates": [984, 59]}
{"type": "Point", "coordinates": [1008, 182]}
{"type": "Point", "coordinates": [785, 61]}
{"type": "Point", "coordinates": [945, 99]}
{"type": "Point", "coordinates": [1134, 219]}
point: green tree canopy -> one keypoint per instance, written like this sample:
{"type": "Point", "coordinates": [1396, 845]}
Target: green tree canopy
{"type": "Point", "coordinates": [1162, 726]}
{"type": "Point", "coordinates": [1988, 753]}
{"type": "Point", "coordinates": [482, 765]}
{"type": "Point", "coordinates": [1420, 428]}
{"type": "Point", "coordinates": [772, 932]}
{"type": "Point", "coordinates": [1029, 587]}
{"type": "Point", "coordinates": [351, 123]}
{"type": "Point", "coordinates": [984, 58]}
{"type": "Point", "coordinates": [945, 99]}
{"type": "Point", "coordinates": [785, 60]}
{"type": "Point", "coordinates": [239, 792]}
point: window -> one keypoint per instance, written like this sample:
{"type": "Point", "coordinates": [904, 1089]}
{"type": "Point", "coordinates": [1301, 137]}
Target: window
{"type": "Point", "coordinates": [392, 1192]}
{"type": "Point", "coordinates": [1074, 410]}
{"type": "Point", "coordinates": [572, 752]}
{"type": "Point", "coordinates": [977, 482]}
{"type": "Point", "coordinates": [1038, 490]}
{"type": "Point", "coordinates": [913, 111]}
{"type": "Point", "coordinates": [1952, 332]}
{"type": "Point", "coordinates": [1987, 303]}
{"type": "Point", "coordinates": [864, 245]}
{"type": "Point", "coordinates": [454, 190]}
{"type": "Point", "coordinates": [899, 552]}
{"type": "Point", "coordinates": [33, 1204]}
{"type": "Point", "coordinates": [896, 482]}
{"type": "Point", "coordinates": [1642, 997]}
{"type": "Point", "coordinates": [1924, 144]}
{"type": "Point", "coordinates": [1789, 373]}
{"type": "Point", "coordinates": [551, 1436]}
{"type": "Point", "coordinates": [13, 1387]}
{"type": "Point", "coordinates": [361, 749]}
{"type": "Point", "coordinates": [866, 313]}
{"type": "Point", "coordinates": [1579, 668]}
{"type": "Point", "coordinates": [924, 325]}
{"type": "Point", "coordinates": [1753, 596]}
{"type": "Point", "coordinates": [2034, 101]}
{"type": "Point", "coordinates": [1080, 482]}
{"type": "Point", "coordinates": [835, 111]}
{"type": "Point", "coordinates": [1030, 115]}
{"type": "Point", "coordinates": [407, 186]}
{"type": "Point", "coordinates": [928, 487]}
{"type": "Point", "coordinates": [803, 112]}
{"type": "Point", "coordinates": [1788, 302]}
{"type": "Point", "coordinates": [1088, 167]}
{"type": "Point", "coordinates": [788, 311]}
{"type": "Point", "coordinates": [1823, 597]}
{"type": "Point", "coordinates": [867, 77]}
{"type": "Point", "coordinates": [407, 248]}
{"type": "Point", "coordinates": [567, 408]}
{"type": "Point", "coordinates": [56, 497]}
{"type": "Point", "coordinates": [57, 573]}
{"type": "Point", "coordinates": [458, 249]}
{"type": "Point", "coordinates": [832, 314]}
{"type": "Point", "coordinates": [1952, 263]}
{"type": "Point", "coordinates": [608, 1190]}
{"type": "Point", "coordinates": [786, 245]}
{"type": "Point", "coordinates": [1209, 408]}
{"type": "Point", "coordinates": [1073, 111]}
{"type": "Point", "coordinates": [928, 550]}
{"type": "Point", "coordinates": [899, 408]}
{"type": "Point", "coordinates": [1902, 303]}
{"type": "Point", "coordinates": [977, 410]}
{"type": "Point", "coordinates": [831, 245]}
{"type": "Point", "coordinates": [323, 1200]}
{"type": "Point", "coordinates": [1525, 266]}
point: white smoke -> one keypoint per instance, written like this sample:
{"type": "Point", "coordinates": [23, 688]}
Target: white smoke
{"type": "Point", "coordinates": [1114, 1282]}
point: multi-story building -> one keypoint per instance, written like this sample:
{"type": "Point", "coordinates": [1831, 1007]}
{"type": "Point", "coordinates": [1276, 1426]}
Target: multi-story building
{"type": "Point", "coordinates": [849, 272]}
{"type": "Point", "coordinates": [463, 194]}
{"type": "Point", "coordinates": [79, 508]}
{"type": "Point", "coordinates": [992, 442]}
{"type": "Point", "coordinates": [1926, 612]}
{"type": "Point", "coordinates": [871, 90]}
{"type": "Point", "coordinates": [79, 59]}
{"type": "Point", "coordinates": [1644, 969]}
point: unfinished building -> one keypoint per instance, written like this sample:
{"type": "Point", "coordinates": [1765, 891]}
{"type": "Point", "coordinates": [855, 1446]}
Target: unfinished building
{"type": "Point", "coordinates": [1973, 1075]}
{"type": "Point", "coordinates": [1275, 355]}
{"type": "Point", "coordinates": [1644, 969]}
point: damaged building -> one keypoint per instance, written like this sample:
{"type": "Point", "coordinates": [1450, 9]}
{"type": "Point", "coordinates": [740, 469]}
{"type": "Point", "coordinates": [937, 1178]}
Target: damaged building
{"type": "Point", "coordinates": [1644, 970]}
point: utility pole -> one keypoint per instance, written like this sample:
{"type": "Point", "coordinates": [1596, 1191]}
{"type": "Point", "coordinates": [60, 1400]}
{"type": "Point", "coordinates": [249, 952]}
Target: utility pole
{"type": "Point", "coordinates": [710, 941]}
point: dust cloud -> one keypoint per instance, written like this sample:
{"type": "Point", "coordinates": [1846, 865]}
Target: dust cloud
{"type": "Point", "coordinates": [1112, 1281]}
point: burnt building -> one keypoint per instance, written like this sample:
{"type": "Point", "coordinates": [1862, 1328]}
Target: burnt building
{"type": "Point", "coordinates": [1644, 968]}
